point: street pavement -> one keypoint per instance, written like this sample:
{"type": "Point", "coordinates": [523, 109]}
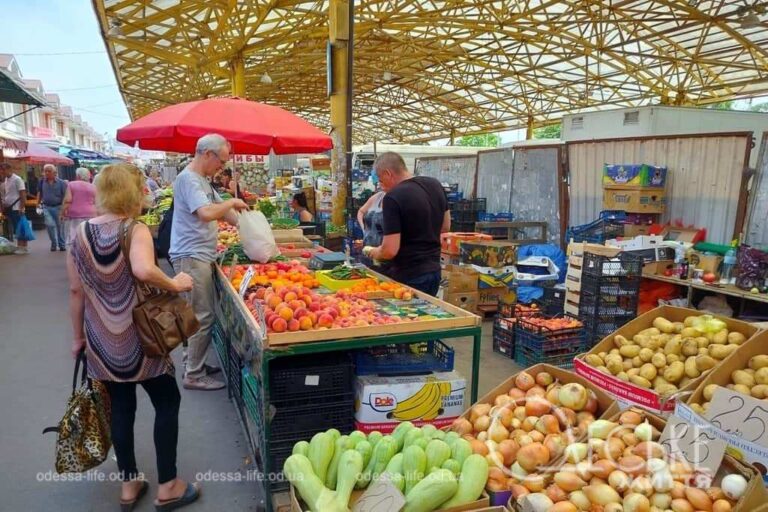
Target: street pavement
{"type": "Point", "coordinates": [35, 382]}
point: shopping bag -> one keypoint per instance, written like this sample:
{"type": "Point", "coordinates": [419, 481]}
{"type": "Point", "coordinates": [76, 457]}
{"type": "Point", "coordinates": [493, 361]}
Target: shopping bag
{"type": "Point", "coordinates": [24, 229]}
{"type": "Point", "coordinates": [256, 237]}
{"type": "Point", "coordinates": [6, 246]}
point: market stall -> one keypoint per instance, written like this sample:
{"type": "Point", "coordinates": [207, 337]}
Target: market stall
{"type": "Point", "coordinates": [251, 351]}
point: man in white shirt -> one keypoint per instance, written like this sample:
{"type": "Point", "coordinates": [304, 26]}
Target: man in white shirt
{"type": "Point", "coordinates": [14, 201]}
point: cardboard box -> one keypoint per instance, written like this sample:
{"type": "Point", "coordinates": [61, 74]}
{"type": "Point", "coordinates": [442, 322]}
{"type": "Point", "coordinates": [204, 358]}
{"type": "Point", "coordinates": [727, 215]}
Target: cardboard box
{"type": "Point", "coordinates": [579, 248]}
{"type": "Point", "coordinates": [706, 262]}
{"type": "Point", "coordinates": [633, 230]}
{"type": "Point", "coordinates": [677, 234]}
{"type": "Point", "coordinates": [449, 259]}
{"type": "Point", "coordinates": [494, 254]}
{"type": "Point", "coordinates": [640, 200]}
{"type": "Point", "coordinates": [502, 279]}
{"type": "Point", "coordinates": [637, 175]}
{"type": "Point", "coordinates": [480, 505]}
{"type": "Point", "coordinates": [450, 241]}
{"type": "Point", "coordinates": [606, 403]}
{"type": "Point", "coordinates": [491, 296]}
{"type": "Point", "coordinates": [468, 301]}
{"type": "Point", "coordinates": [658, 267]}
{"type": "Point", "coordinates": [379, 400]}
{"type": "Point", "coordinates": [459, 279]}
{"type": "Point", "coordinates": [630, 393]}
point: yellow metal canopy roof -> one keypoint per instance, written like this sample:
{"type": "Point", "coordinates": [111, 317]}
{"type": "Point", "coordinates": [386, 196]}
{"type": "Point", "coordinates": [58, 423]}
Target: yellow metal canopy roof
{"type": "Point", "coordinates": [427, 68]}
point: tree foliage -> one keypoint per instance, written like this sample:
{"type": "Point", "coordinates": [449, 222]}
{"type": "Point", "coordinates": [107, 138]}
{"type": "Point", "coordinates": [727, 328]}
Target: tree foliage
{"type": "Point", "coordinates": [486, 140]}
{"type": "Point", "coordinates": [551, 131]}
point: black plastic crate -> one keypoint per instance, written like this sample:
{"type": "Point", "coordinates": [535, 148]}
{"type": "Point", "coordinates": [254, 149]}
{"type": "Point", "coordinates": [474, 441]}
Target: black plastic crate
{"type": "Point", "coordinates": [624, 265]}
{"type": "Point", "coordinates": [504, 337]}
{"type": "Point", "coordinates": [234, 375]}
{"type": "Point", "coordinates": [432, 356]}
{"type": "Point", "coordinates": [527, 358]}
{"type": "Point", "coordinates": [553, 301]}
{"type": "Point", "coordinates": [278, 454]}
{"type": "Point", "coordinates": [464, 216]}
{"type": "Point", "coordinates": [463, 227]}
{"type": "Point", "coordinates": [292, 424]}
{"type": "Point", "coordinates": [537, 336]}
{"type": "Point", "coordinates": [302, 379]}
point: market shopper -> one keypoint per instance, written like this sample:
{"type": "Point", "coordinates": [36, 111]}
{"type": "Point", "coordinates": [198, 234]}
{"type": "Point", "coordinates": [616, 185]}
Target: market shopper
{"type": "Point", "coordinates": [415, 212]}
{"type": "Point", "coordinates": [196, 209]}
{"type": "Point", "coordinates": [102, 298]}
{"type": "Point", "coordinates": [300, 208]}
{"type": "Point", "coordinates": [79, 202]}
{"type": "Point", "coordinates": [370, 216]}
{"type": "Point", "coordinates": [52, 190]}
{"type": "Point", "coordinates": [14, 201]}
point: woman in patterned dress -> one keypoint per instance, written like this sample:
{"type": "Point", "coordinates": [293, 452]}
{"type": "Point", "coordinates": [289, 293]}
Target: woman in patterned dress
{"type": "Point", "coordinates": [102, 298]}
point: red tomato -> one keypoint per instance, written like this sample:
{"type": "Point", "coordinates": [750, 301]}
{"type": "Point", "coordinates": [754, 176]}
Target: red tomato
{"type": "Point", "coordinates": [709, 277]}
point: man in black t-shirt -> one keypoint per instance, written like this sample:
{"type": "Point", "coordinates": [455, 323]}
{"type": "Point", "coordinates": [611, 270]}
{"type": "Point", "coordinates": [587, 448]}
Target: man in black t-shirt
{"type": "Point", "coordinates": [415, 212]}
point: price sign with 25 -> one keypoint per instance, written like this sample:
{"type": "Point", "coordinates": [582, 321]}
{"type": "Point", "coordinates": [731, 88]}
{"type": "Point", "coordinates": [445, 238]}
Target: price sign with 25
{"type": "Point", "coordinates": [696, 445]}
{"type": "Point", "coordinates": [740, 415]}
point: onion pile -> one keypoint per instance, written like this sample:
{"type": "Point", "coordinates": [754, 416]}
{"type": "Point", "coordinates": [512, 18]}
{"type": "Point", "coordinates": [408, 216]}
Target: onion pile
{"type": "Point", "coordinates": [625, 469]}
{"type": "Point", "coordinates": [528, 427]}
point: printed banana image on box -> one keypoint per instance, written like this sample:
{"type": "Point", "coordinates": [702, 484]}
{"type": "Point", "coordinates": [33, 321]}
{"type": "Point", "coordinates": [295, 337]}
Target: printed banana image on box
{"type": "Point", "coordinates": [383, 402]}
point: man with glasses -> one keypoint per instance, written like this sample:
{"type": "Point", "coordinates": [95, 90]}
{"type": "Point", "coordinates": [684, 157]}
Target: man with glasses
{"type": "Point", "coordinates": [197, 207]}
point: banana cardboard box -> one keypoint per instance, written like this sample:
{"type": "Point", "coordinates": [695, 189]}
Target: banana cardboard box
{"type": "Point", "coordinates": [493, 254]}
{"type": "Point", "coordinates": [383, 402]}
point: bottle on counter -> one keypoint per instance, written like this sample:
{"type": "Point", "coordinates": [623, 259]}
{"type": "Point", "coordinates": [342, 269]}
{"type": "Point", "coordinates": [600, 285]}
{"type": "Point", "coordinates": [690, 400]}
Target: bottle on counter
{"type": "Point", "coordinates": [684, 266]}
{"type": "Point", "coordinates": [729, 264]}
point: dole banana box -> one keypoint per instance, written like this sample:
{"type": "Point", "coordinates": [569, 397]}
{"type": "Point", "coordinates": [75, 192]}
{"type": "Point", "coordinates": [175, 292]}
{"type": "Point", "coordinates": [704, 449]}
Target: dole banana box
{"type": "Point", "coordinates": [383, 402]}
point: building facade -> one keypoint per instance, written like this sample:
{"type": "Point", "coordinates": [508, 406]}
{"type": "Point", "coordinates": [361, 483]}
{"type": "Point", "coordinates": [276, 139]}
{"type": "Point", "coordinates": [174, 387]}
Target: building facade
{"type": "Point", "coordinates": [53, 122]}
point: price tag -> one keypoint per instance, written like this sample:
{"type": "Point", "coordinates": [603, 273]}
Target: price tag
{"type": "Point", "coordinates": [697, 445]}
{"type": "Point", "coordinates": [739, 415]}
{"type": "Point", "coordinates": [381, 496]}
{"type": "Point", "coordinates": [232, 268]}
{"type": "Point", "coordinates": [246, 280]}
{"type": "Point", "coordinates": [311, 380]}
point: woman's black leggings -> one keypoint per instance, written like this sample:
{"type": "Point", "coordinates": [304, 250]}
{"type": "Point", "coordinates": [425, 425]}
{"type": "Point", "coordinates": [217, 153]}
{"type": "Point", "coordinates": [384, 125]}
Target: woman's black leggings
{"type": "Point", "coordinates": [165, 397]}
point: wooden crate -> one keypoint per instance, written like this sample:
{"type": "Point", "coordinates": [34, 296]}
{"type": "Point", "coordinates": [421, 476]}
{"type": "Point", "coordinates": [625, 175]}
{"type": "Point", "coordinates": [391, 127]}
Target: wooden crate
{"type": "Point", "coordinates": [461, 318]}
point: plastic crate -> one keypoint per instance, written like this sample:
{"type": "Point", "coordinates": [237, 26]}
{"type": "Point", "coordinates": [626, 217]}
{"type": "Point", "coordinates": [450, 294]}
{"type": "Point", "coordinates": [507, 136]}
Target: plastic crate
{"type": "Point", "coordinates": [553, 301]}
{"type": "Point", "coordinates": [464, 216]}
{"type": "Point", "coordinates": [504, 337]}
{"type": "Point", "coordinates": [432, 356]}
{"type": "Point", "coordinates": [609, 225]}
{"type": "Point", "coordinates": [472, 205]}
{"type": "Point", "coordinates": [463, 227]}
{"type": "Point", "coordinates": [598, 327]}
{"type": "Point", "coordinates": [234, 375]}
{"type": "Point", "coordinates": [278, 454]}
{"type": "Point", "coordinates": [537, 337]}
{"type": "Point", "coordinates": [294, 423]}
{"type": "Point", "coordinates": [625, 264]}
{"type": "Point", "coordinates": [526, 358]}
{"type": "Point", "coordinates": [303, 379]}
{"type": "Point", "coordinates": [496, 217]}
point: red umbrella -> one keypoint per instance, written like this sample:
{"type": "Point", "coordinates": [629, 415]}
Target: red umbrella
{"type": "Point", "coordinates": [252, 128]}
{"type": "Point", "coordinates": [39, 154]}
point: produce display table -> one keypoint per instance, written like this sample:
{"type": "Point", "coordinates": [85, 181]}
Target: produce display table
{"type": "Point", "coordinates": [727, 289]}
{"type": "Point", "coordinates": [246, 354]}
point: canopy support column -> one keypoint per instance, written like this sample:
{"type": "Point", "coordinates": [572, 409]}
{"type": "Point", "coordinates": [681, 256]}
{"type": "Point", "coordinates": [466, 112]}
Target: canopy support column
{"type": "Point", "coordinates": [237, 75]}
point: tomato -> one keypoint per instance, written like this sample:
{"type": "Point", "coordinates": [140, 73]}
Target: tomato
{"type": "Point", "coordinates": [709, 277]}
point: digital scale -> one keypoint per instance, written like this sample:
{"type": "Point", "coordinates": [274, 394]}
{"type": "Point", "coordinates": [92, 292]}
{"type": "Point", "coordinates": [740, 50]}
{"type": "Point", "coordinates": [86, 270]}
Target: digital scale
{"type": "Point", "coordinates": [327, 260]}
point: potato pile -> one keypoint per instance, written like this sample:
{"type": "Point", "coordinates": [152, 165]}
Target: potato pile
{"type": "Point", "coordinates": [751, 381]}
{"type": "Point", "coordinates": [669, 355]}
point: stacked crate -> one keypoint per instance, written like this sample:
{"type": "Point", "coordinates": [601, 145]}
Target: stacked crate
{"type": "Point", "coordinates": [465, 212]}
{"type": "Point", "coordinates": [536, 344]}
{"type": "Point", "coordinates": [308, 395]}
{"type": "Point", "coordinates": [610, 288]}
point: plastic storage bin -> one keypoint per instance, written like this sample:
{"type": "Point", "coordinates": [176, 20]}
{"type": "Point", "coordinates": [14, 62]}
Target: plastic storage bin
{"type": "Point", "coordinates": [504, 337]}
{"type": "Point", "coordinates": [310, 379]}
{"type": "Point", "coordinates": [432, 356]}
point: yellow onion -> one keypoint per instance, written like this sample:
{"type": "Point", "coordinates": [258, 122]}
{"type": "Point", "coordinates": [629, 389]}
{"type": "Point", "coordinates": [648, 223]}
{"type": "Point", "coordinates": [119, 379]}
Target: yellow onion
{"type": "Point", "coordinates": [508, 450]}
{"type": "Point", "coordinates": [555, 444]}
{"type": "Point", "coordinates": [479, 410]}
{"type": "Point", "coordinates": [539, 502]}
{"type": "Point", "coordinates": [715, 493]}
{"type": "Point", "coordinates": [642, 485]}
{"type": "Point", "coordinates": [649, 450]}
{"type": "Point", "coordinates": [575, 452]}
{"type": "Point", "coordinates": [583, 470]}
{"type": "Point", "coordinates": [497, 431]}
{"type": "Point", "coordinates": [662, 481]}
{"type": "Point", "coordinates": [534, 482]}
{"type": "Point", "coordinates": [520, 413]}
{"type": "Point", "coordinates": [619, 480]}
{"type": "Point", "coordinates": [698, 499]}
{"type": "Point", "coordinates": [678, 491]}
{"type": "Point", "coordinates": [537, 406]}
{"type": "Point", "coordinates": [555, 493]}
{"type": "Point", "coordinates": [573, 396]}
{"type": "Point", "coordinates": [722, 506]}
{"type": "Point", "coordinates": [482, 436]}
{"type": "Point", "coordinates": [517, 489]}
{"type": "Point", "coordinates": [662, 501]}
{"type": "Point", "coordinates": [681, 505]}
{"type": "Point", "coordinates": [518, 472]}
{"type": "Point", "coordinates": [529, 423]}
{"type": "Point", "coordinates": [644, 431]}
{"type": "Point", "coordinates": [601, 429]}
{"type": "Point", "coordinates": [656, 465]}
{"type": "Point", "coordinates": [634, 502]}
{"type": "Point", "coordinates": [603, 468]}
{"type": "Point", "coordinates": [536, 436]}
{"type": "Point", "coordinates": [601, 494]}
{"type": "Point", "coordinates": [532, 456]}
{"type": "Point", "coordinates": [580, 499]}
{"type": "Point", "coordinates": [462, 426]}
{"type": "Point", "coordinates": [611, 507]}
{"type": "Point", "coordinates": [630, 418]}
{"type": "Point", "coordinates": [482, 423]}
{"type": "Point", "coordinates": [524, 381]}
{"type": "Point", "coordinates": [569, 482]}
{"type": "Point", "coordinates": [564, 506]}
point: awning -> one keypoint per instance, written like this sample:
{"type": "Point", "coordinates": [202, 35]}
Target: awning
{"type": "Point", "coordinates": [11, 141]}
{"type": "Point", "coordinates": [12, 91]}
{"type": "Point", "coordinates": [39, 154]}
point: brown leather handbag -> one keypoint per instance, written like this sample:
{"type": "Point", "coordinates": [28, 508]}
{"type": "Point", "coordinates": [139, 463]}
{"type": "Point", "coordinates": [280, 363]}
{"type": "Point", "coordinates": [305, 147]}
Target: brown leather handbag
{"type": "Point", "coordinates": [163, 319]}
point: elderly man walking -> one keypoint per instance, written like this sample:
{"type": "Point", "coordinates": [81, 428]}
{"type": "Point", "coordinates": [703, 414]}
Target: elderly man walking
{"type": "Point", "coordinates": [196, 208]}
{"type": "Point", "coordinates": [52, 192]}
{"type": "Point", "coordinates": [14, 199]}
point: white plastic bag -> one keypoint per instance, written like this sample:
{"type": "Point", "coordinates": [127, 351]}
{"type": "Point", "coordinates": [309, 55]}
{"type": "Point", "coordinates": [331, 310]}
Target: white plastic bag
{"type": "Point", "coordinates": [256, 236]}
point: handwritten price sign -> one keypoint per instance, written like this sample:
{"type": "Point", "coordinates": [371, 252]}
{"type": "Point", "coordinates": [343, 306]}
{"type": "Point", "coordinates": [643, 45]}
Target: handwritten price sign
{"type": "Point", "coordinates": [246, 280]}
{"type": "Point", "coordinates": [697, 445]}
{"type": "Point", "coordinates": [740, 415]}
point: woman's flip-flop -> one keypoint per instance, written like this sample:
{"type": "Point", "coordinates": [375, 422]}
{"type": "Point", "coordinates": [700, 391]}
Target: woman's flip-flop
{"type": "Point", "coordinates": [128, 506]}
{"type": "Point", "coordinates": [190, 495]}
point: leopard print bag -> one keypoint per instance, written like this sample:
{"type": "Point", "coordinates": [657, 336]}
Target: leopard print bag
{"type": "Point", "coordinates": [84, 432]}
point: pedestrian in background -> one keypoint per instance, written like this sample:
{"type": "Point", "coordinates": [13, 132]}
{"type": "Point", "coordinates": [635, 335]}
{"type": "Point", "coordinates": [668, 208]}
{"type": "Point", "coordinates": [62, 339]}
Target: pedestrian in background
{"type": "Point", "coordinates": [102, 298]}
{"type": "Point", "coordinates": [52, 191]}
{"type": "Point", "coordinates": [14, 202]}
{"type": "Point", "coordinates": [415, 212]}
{"type": "Point", "coordinates": [79, 202]}
{"type": "Point", "coordinates": [196, 208]}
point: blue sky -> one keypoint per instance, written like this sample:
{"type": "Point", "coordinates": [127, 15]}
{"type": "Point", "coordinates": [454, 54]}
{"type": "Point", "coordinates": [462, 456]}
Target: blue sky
{"type": "Point", "coordinates": [84, 81]}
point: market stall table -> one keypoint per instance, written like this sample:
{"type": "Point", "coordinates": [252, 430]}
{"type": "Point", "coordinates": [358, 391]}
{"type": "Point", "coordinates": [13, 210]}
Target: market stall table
{"type": "Point", "coordinates": [246, 356]}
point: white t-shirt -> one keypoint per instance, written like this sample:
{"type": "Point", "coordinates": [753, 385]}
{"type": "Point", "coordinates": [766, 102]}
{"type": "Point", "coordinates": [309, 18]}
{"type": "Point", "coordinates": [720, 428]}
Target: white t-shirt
{"type": "Point", "coordinates": [190, 236]}
{"type": "Point", "coordinates": [12, 187]}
